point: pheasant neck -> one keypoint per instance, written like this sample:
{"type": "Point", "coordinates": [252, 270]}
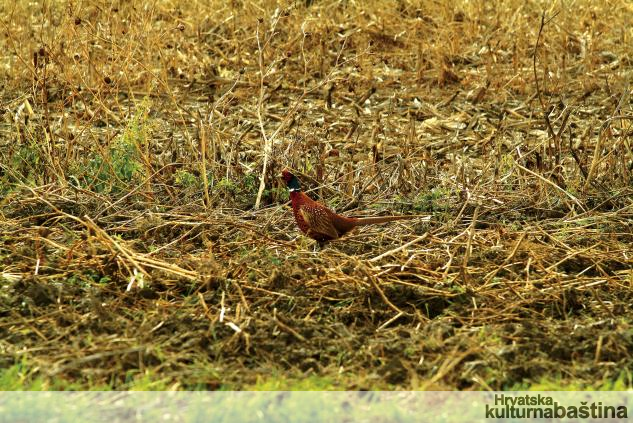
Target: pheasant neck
{"type": "Point", "coordinates": [294, 195]}
{"type": "Point", "coordinates": [296, 199]}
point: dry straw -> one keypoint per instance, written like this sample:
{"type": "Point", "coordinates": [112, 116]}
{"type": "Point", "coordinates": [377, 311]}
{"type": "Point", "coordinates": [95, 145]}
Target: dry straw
{"type": "Point", "coordinates": [140, 149]}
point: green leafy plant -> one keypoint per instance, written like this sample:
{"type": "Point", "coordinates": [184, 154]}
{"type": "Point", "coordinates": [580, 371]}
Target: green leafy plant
{"type": "Point", "coordinates": [122, 164]}
{"type": "Point", "coordinates": [186, 179]}
{"type": "Point", "coordinates": [434, 200]}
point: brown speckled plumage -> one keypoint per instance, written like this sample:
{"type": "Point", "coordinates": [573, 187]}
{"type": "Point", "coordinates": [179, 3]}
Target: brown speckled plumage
{"type": "Point", "coordinates": [319, 222]}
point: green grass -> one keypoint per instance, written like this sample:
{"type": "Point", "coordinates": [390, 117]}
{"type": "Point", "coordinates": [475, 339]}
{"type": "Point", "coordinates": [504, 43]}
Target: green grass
{"type": "Point", "coordinates": [624, 382]}
{"type": "Point", "coordinates": [26, 377]}
{"type": "Point", "coordinates": [281, 382]}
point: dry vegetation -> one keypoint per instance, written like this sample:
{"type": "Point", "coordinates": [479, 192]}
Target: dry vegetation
{"type": "Point", "coordinates": [136, 240]}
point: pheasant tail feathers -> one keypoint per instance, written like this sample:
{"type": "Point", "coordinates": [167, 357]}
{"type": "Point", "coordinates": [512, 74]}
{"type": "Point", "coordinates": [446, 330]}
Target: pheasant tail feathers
{"type": "Point", "coordinates": [361, 221]}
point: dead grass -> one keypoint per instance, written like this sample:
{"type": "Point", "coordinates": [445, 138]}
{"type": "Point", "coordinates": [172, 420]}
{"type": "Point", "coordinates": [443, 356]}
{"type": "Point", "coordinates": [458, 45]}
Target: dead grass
{"type": "Point", "coordinates": [145, 233]}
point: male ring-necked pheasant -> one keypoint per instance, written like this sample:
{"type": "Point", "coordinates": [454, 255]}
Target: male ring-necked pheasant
{"type": "Point", "coordinates": [320, 223]}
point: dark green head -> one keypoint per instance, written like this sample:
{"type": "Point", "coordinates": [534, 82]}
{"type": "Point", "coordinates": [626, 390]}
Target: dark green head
{"type": "Point", "coordinates": [291, 180]}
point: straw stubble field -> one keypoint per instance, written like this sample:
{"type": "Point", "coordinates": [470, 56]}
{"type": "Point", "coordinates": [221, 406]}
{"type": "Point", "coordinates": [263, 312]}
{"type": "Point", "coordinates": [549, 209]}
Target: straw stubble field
{"type": "Point", "coordinates": [147, 240]}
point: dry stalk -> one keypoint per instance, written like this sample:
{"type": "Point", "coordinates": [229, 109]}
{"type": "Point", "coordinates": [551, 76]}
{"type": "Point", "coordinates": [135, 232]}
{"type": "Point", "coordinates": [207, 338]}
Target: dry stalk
{"type": "Point", "coordinates": [552, 184]}
{"type": "Point", "coordinates": [203, 165]}
{"type": "Point", "coordinates": [595, 162]}
{"type": "Point", "coordinates": [268, 141]}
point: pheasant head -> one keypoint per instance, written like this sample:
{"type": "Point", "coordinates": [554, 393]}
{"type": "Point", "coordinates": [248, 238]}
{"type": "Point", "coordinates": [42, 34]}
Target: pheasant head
{"type": "Point", "coordinates": [291, 181]}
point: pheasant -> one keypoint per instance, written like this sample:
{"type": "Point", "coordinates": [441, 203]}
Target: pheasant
{"type": "Point", "coordinates": [320, 223]}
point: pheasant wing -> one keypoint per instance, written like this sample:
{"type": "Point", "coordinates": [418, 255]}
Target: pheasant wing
{"type": "Point", "coordinates": [319, 222]}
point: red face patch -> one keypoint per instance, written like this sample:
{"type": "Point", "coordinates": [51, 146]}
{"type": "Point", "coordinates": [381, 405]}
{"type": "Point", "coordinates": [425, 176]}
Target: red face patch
{"type": "Point", "coordinates": [286, 175]}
